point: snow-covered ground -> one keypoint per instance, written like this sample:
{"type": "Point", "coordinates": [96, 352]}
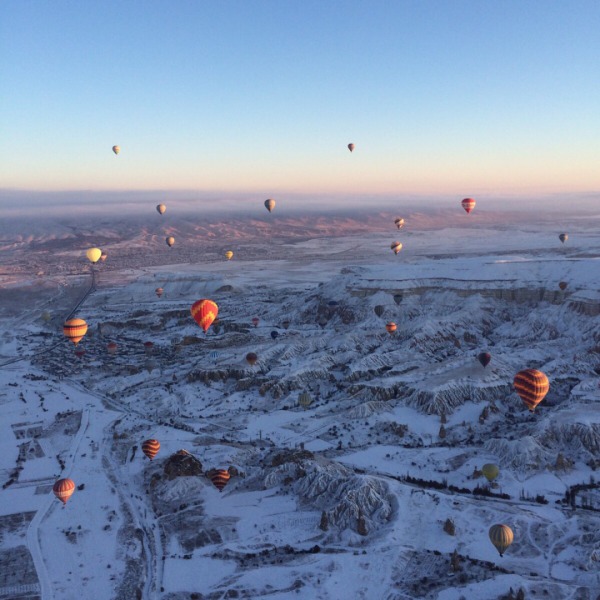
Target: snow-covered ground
{"type": "Point", "coordinates": [366, 492]}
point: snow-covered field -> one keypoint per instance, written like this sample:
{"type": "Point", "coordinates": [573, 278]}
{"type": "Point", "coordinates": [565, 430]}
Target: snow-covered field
{"type": "Point", "coordinates": [366, 492]}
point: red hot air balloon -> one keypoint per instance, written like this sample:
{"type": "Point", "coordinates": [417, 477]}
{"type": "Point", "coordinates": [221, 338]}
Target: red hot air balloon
{"type": "Point", "coordinates": [563, 285]}
{"type": "Point", "coordinates": [255, 321]}
{"type": "Point", "coordinates": [112, 348]}
{"type": "Point", "coordinates": [204, 313]}
{"type": "Point", "coordinates": [80, 353]}
{"type": "Point", "coordinates": [219, 478]}
{"type": "Point", "coordinates": [484, 358]}
{"type": "Point", "coordinates": [468, 204]}
{"type": "Point", "coordinates": [150, 448]}
{"type": "Point", "coordinates": [63, 489]}
{"type": "Point", "coordinates": [532, 386]}
{"type": "Point", "coordinates": [251, 357]}
{"type": "Point", "coordinates": [391, 327]}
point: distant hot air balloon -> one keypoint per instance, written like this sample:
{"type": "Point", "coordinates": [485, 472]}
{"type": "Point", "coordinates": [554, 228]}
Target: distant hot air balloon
{"type": "Point", "coordinates": [285, 324]}
{"type": "Point", "coordinates": [170, 241]}
{"type": "Point", "coordinates": [502, 537]}
{"type": "Point", "coordinates": [274, 334]}
{"type": "Point", "coordinates": [270, 204]}
{"type": "Point", "coordinates": [63, 489]}
{"type": "Point", "coordinates": [532, 385]}
{"type": "Point", "coordinates": [80, 353]}
{"type": "Point", "coordinates": [103, 256]}
{"type": "Point", "coordinates": [161, 208]}
{"type": "Point", "coordinates": [159, 291]}
{"type": "Point", "coordinates": [116, 149]}
{"type": "Point", "coordinates": [563, 285]}
{"type": "Point", "coordinates": [490, 471]}
{"type": "Point", "coordinates": [305, 399]}
{"type": "Point", "coordinates": [396, 247]}
{"type": "Point", "coordinates": [399, 223]}
{"type": "Point", "coordinates": [398, 298]}
{"type": "Point", "coordinates": [148, 347]}
{"type": "Point", "coordinates": [219, 478]}
{"type": "Point", "coordinates": [379, 310]}
{"type": "Point", "coordinates": [150, 448]}
{"type": "Point", "coordinates": [351, 147]}
{"type": "Point", "coordinates": [75, 329]}
{"type": "Point", "coordinates": [468, 204]}
{"type": "Point", "coordinates": [251, 358]}
{"type": "Point", "coordinates": [112, 348]}
{"type": "Point", "coordinates": [391, 327]}
{"type": "Point", "coordinates": [204, 313]}
{"type": "Point", "coordinates": [563, 237]}
{"type": "Point", "coordinates": [484, 358]}
{"type": "Point", "coordinates": [229, 255]}
{"type": "Point", "coordinates": [93, 254]}
{"type": "Point", "coordinates": [255, 321]}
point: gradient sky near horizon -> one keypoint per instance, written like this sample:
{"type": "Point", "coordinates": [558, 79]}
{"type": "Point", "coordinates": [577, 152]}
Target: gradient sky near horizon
{"type": "Point", "coordinates": [440, 97]}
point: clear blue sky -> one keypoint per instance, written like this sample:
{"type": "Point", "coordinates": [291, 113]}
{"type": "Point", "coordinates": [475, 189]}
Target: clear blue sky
{"type": "Point", "coordinates": [440, 97]}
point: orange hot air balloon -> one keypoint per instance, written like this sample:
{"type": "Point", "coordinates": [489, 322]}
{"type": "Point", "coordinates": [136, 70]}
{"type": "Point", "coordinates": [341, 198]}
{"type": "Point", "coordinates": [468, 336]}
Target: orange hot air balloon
{"type": "Point", "coordinates": [75, 329]}
{"type": "Point", "coordinates": [532, 385]}
{"type": "Point", "coordinates": [219, 478]}
{"type": "Point", "coordinates": [112, 348]}
{"type": "Point", "coordinates": [563, 285]}
{"type": "Point", "coordinates": [255, 321]}
{"type": "Point", "coordinates": [391, 327]}
{"type": "Point", "coordinates": [103, 256]}
{"type": "Point", "coordinates": [468, 204]}
{"type": "Point", "coordinates": [150, 448]}
{"type": "Point", "coordinates": [351, 147]}
{"type": "Point", "coordinates": [170, 241]}
{"type": "Point", "coordinates": [270, 204]}
{"type": "Point", "coordinates": [159, 292]}
{"type": "Point", "coordinates": [204, 313]}
{"type": "Point", "coordinates": [63, 489]}
{"type": "Point", "coordinates": [251, 357]}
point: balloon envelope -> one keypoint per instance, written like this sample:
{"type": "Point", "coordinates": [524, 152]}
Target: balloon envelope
{"type": "Point", "coordinates": [484, 358]}
{"type": "Point", "coordinates": [116, 149]}
{"type": "Point", "coordinates": [563, 237]}
{"type": "Point", "coordinates": [399, 223]}
{"type": "Point", "coordinates": [468, 204]}
{"type": "Point", "coordinates": [379, 310]}
{"type": "Point", "coordinates": [532, 386]}
{"type": "Point", "coordinates": [150, 448]}
{"type": "Point", "coordinates": [563, 285]}
{"type": "Point", "coordinates": [229, 255]}
{"type": "Point", "coordinates": [170, 241]}
{"type": "Point", "coordinates": [93, 254]}
{"type": "Point", "coordinates": [75, 329]}
{"type": "Point", "coordinates": [274, 334]}
{"type": "Point", "coordinates": [161, 209]}
{"type": "Point", "coordinates": [351, 147]}
{"type": "Point", "coordinates": [396, 247]}
{"type": "Point", "coordinates": [490, 471]}
{"type": "Point", "coordinates": [502, 537]}
{"type": "Point", "coordinates": [219, 478]}
{"type": "Point", "coordinates": [270, 204]}
{"type": "Point", "coordinates": [391, 327]}
{"type": "Point", "coordinates": [251, 357]}
{"type": "Point", "coordinates": [204, 313]}
{"type": "Point", "coordinates": [103, 256]}
{"type": "Point", "coordinates": [63, 489]}
{"type": "Point", "coordinates": [159, 291]}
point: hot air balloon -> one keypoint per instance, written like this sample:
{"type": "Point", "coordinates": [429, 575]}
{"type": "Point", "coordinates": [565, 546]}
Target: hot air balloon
{"type": "Point", "coordinates": [148, 346]}
{"type": "Point", "coordinates": [305, 399]}
{"type": "Point", "coordinates": [351, 147]}
{"type": "Point", "coordinates": [502, 537]}
{"type": "Point", "coordinates": [94, 254]}
{"type": "Point", "coordinates": [490, 471]}
{"type": "Point", "coordinates": [563, 285]}
{"type": "Point", "coordinates": [112, 348]}
{"type": "Point", "coordinates": [159, 292]}
{"type": "Point", "coordinates": [75, 329]}
{"type": "Point", "coordinates": [532, 385]}
{"type": "Point", "coordinates": [116, 149]}
{"type": "Point", "coordinates": [204, 313]}
{"type": "Point", "coordinates": [285, 324]}
{"type": "Point", "coordinates": [63, 489]}
{"type": "Point", "coordinates": [274, 334]}
{"type": "Point", "coordinates": [219, 478]}
{"type": "Point", "coordinates": [563, 237]}
{"type": "Point", "coordinates": [150, 448]}
{"type": "Point", "coordinates": [468, 204]}
{"type": "Point", "coordinates": [103, 256]}
{"type": "Point", "coordinates": [379, 310]}
{"type": "Point", "coordinates": [229, 255]}
{"type": "Point", "coordinates": [398, 298]}
{"type": "Point", "coordinates": [170, 241]}
{"type": "Point", "coordinates": [391, 327]}
{"type": "Point", "coordinates": [399, 223]}
{"type": "Point", "coordinates": [484, 358]}
{"type": "Point", "coordinates": [161, 209]}
{"type": "Point", "coordinates": [255, 321]}
{"type": "Point", "coordinates": [251, 358]}
{"type": "Point", "coordinates": [396, 247]}
{"type": "Point", "coordinates": [270, 204]}
{"type": "Point", "coordinates": [80, 353]}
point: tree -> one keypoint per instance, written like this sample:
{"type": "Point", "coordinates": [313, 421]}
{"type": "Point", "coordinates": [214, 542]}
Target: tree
{"type": "Point", "coordinates": [449, 527]}
{"type": "Point", "coordinates": [455, 561]}
{"type": "Point", "coordinates": [361, 526]}
{"type": "Point", "coordinates": [324, 524]}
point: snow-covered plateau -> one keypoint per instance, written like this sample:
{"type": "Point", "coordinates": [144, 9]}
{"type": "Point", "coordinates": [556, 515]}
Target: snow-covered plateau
{"type": "Point", "coordinates": [371, 487]}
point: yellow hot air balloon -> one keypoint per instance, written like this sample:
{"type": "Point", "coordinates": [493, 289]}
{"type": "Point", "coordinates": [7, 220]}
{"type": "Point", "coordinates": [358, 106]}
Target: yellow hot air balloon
{"type": "Point", "coordinates": [75, 329]}
{"type": "Point", "coordinates": [170, 241]}
{"type": "Point", "coordinates": [490, 471]}
{"type": "Point", "coordinates": [116, 149]}
{"type": "Point", "coordinates": [161, 209]}
{"type": "Point", "coordinates": [229, 255]}
{"type": "Point", "coordinates": [502, 537]}
{"type": "Point", "coordinates": [270, 204]}
{"type": "Point", "coordinates": [94, 254]}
